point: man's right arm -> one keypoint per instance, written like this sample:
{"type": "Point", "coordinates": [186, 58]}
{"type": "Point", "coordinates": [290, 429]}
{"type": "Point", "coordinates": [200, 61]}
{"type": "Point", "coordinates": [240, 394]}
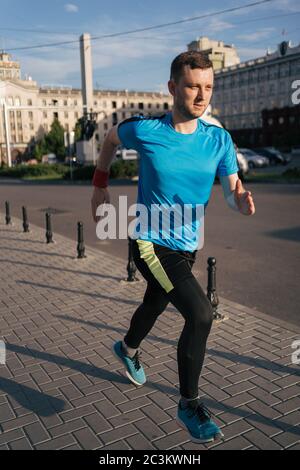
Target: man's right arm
{"type": "Point", "coordinates": [109, 146]}
{"type": "Point", "coordinates": [100, 180]}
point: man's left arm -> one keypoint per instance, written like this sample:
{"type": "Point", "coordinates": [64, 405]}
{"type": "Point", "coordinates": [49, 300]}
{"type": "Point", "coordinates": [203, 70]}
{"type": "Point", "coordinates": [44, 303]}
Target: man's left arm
{"type": "Point", "coordinates": [236, 196]}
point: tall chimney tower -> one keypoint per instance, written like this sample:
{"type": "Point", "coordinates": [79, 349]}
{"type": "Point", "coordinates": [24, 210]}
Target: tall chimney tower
{"type": "Point", "coordinates": [86, 72]}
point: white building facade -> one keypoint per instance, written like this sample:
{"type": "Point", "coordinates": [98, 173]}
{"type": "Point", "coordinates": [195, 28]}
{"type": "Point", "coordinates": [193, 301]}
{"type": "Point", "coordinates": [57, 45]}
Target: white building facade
{"type": "Point", "coordinates": [244, 90]}
{"type": "Point", "coordinates": [31, 109]}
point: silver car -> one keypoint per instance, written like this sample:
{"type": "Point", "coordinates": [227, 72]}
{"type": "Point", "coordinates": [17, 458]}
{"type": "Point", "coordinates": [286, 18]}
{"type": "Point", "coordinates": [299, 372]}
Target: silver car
{"type": "Point", "coordinates": [254, 160]}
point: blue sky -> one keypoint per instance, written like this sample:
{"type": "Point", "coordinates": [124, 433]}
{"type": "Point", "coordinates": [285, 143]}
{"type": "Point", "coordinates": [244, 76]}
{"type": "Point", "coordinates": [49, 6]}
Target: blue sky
{"type": "Point", "coordinates": [138, 61]}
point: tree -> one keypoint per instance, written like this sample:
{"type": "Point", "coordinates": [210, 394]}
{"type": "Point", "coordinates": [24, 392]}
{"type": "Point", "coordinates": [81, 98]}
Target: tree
{"type": "Point", "coordinates": [78, 130]}
{"type": "Point", "coordinates": [40, 149]}
{"type": "Point", "coordinates": [55, 140]}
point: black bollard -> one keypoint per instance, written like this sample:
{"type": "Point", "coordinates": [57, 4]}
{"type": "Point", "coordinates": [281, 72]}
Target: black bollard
{"type": "Point", "coordinates": [49, 234]}
{"type": "Point", "coordinates": [131, 267]}
{"type": "Point", "coordinates": [80, 244]}
{"type": "Point", "coordinates": [211, 288]}
{"type": "Point", "coordinates": [25, 220]}
{"type": "Point", "coordinates": [7, 213]}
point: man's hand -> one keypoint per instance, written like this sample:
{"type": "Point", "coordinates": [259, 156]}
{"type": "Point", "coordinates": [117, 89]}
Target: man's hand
{"type": "Point", "coordinates": [100, 196]}
{"type": "Point", "coordinates": [243, 199]}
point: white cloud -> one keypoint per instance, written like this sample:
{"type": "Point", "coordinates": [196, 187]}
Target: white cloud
{"type": "Point", "coordinates": [257, 35]}
{"type": "Point", "coordinates": [248, 53]}
{"type": "Point", "coordinates": [61, 65]}
{"type": "Point", "coordinates": [215, 25]}
{"type": "Point", "coordinates": [71, 8]}
{"type": "Point", "coordinates": [286, 6]}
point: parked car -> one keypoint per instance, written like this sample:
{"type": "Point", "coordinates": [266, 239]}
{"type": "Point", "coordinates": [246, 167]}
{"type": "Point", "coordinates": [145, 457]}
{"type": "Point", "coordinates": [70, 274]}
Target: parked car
{"type": "Point", "coordinates": [254, 160]}
{"type": "Point", "coordinates": [275, 157]}
{"type": "Point", "coordinates": [49, 158]}
{"type": "Point", "coordinates": [242, 161]}
{"type": "Point", "coordinates": [126, 154]}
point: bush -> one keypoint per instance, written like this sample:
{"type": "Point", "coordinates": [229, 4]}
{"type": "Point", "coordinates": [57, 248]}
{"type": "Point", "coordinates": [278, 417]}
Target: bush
{"type": "Point", "coordinates": [119, 169]}
{"type": "Point", "coordinates": [81, 173]}
{"type": "Point", "coordinates": [21, 171]}
{"type": "Point", "coordinates": [292, 173]}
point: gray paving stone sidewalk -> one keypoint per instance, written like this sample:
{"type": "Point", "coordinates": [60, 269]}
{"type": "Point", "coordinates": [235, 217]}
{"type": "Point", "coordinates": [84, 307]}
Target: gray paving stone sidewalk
{"type": "Point", "coordinates": [62, 388]}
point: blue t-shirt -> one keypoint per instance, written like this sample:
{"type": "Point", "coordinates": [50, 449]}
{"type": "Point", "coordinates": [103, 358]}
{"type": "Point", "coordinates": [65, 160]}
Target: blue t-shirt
{"type": "Point", "coordinates": [176, 171]}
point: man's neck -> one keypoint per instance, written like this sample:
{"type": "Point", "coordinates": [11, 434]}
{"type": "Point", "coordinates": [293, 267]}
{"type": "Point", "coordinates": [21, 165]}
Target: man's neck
{"type": "Point", "coordinates": [183, 125]}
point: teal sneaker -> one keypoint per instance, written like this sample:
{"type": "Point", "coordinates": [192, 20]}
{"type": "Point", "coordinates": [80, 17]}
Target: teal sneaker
{"type": "Point", "coordinates": [134, 369]}
{"type": "Point", "coordinates": [198, 423]}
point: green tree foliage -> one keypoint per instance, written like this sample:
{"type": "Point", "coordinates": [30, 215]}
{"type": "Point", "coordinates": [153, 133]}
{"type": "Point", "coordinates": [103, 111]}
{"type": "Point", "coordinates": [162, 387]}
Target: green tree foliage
{"type": "Point", "coordinates": [55, 140]}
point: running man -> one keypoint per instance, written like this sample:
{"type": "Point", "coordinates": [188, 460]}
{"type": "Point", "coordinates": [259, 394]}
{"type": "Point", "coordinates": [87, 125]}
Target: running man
{"type": "Point", "coordinates": [180, 155]}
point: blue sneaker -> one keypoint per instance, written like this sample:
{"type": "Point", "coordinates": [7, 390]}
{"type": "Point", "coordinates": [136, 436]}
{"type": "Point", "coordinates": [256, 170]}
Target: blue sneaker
{"type": "Point", "coordinates": [198, 423]}
{"type": "Point", "coordinates": [134, 370]}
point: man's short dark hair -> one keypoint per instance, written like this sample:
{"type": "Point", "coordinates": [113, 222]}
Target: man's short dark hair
{"type": "Point", "coordinates": [195, 59]}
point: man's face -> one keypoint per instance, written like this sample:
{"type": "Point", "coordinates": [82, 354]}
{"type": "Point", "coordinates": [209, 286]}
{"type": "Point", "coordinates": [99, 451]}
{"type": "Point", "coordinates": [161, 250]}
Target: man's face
{"type": "Point", "coordinates": [193, 91]}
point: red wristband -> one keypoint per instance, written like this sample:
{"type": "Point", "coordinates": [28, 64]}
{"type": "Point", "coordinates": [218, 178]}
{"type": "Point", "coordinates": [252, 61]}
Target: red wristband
{"type": "Point", "coordinates": [100, 178]}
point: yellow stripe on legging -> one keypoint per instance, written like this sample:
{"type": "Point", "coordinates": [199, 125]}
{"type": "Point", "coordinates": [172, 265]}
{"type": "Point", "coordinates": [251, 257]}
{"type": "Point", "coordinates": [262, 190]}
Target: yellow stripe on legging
{"type": "Point", "coordinates": [147, 253]}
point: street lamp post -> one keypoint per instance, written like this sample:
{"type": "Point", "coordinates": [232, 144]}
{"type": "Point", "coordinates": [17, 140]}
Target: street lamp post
{"type": "Point", "coordinates": [6, 131]}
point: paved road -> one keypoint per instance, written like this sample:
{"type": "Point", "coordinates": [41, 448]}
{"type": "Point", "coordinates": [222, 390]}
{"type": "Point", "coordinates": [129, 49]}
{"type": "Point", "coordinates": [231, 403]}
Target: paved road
{"type": "Point", "coordinates": [257, 257]}
{"type": "Point", "coordinates": [62, 388]}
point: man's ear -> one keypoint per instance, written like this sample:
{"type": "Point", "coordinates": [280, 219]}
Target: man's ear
{"type": "Point", "coordinates": [171, 87]}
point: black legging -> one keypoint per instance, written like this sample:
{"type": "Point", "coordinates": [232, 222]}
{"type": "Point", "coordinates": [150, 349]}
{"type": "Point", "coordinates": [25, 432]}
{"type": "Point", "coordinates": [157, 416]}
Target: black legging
{"type": "Point", "coordinates": [189, 299]}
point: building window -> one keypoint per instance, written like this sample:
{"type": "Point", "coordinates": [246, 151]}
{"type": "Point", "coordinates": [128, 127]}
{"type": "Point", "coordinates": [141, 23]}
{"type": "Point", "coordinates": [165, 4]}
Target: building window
{"type": "Point", "coordinates": [166, 105]}
{"type": "Point", "coordinates": [45, 115]}
{"type": "Point", "coordinates": [44, 103]}
{"type": "Point", "coordinates": [157, 106]}
{"type": "Point", "coordinates": [272, 89]}
{"type": "Point", "coordinates": [95, 103]}
{"type": "Point", "coordinates": [65, 102]}
{"type": "Point", "coordinates": [282, 87]}
{"type": "Point", "coordinates": [114, 119]}
{"type": "Point", "coordinates": [55, 115]}
{"type": "Point", "coordinates": [76, 115]}
{"type": "Point", "coordinates": [123, 115]}
{"type": "Point", "coordinates": [114, 104]}
{"type": "Point", "coordinates": [281, 120]}
{"type": "Point", "coordinates": [31, 126]}
{"type": "Point", "coordinates": [141, 105]}
{"type": "Point", "coordinates": [132, 105]}
{"type": "Point", "coordinates": [149, 105]}
{"type": "Point", "coordinates": [29, 102]}
{"type": "Point", "coordinates": [66, 114]}
{"type": "Point", "coordinates": [105, 126]}
{"type": "Point", "coordinates": [123, 104]}
{"type": "Point", "coordinates": [30, 115]}
{"type": "Point", "coordinates": [75, 102]}
{"type": "Point", "coordinates": [104, 104]}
